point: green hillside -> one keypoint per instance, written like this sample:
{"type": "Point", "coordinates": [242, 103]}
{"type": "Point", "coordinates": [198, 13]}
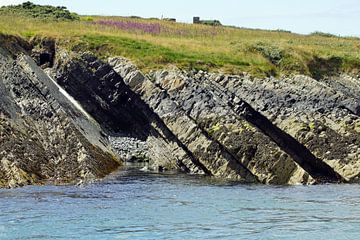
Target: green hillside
{"type": "Point", "coordinates": [153, 43]}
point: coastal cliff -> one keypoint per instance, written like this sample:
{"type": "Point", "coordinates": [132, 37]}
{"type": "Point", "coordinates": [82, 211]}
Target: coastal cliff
{"type": "Point", "coordinates": [44, 137]}
{"type": "Point", "coordinates": [70, 117]}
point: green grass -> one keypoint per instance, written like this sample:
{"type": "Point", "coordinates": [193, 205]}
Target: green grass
{"type": "Point", "coordinates": [154, 56]}
{"type": "Point", "coordinates": [220, 49]}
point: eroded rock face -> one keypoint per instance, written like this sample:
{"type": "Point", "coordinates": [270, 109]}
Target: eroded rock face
{"type": "Point", "coordinates": [213, 105]}
{"type": "Point", "coordinates": [174, 139]}
{"type": "Point", "coordinates": [43, 51]}
{"type": "Point", "coordinates": [276, 131]}
{"type": "Point", "coordinates": [42, 135]}
{"type": "Point", "coordinates": [281, 130]}
{"type": "Point", "coordinates": [320, 114]}
{"type": "Point", "coordinates": [128, 121]}
{"type": "Point", "coordinates": [247, 137]}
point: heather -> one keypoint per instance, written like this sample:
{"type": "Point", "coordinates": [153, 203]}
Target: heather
{"type": "Point", "coordinates": [154, 44]}
{"type": "Point", "coordinates": [153, 28]}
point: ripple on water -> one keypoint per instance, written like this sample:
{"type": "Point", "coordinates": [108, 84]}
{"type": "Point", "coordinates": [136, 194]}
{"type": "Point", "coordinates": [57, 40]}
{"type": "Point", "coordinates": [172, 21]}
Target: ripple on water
{"type": "Point", "coordinates": [139, 205]}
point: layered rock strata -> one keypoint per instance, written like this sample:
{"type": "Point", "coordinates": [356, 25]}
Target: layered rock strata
{"type": "Point", "coordinates": [322, 115]}
{"type": "Point", "coordinates": [256, 141]}
{"type": "Point", "coordinates": [74, 121]}
{"type": "Point", "coordinates": [43, 136]}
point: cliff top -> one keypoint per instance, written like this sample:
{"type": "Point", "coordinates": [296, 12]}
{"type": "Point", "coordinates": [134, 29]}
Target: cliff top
{"type": "Point", "coordinates": [153, 43]}
{"type": "Point", "coordinates": [29, 9]}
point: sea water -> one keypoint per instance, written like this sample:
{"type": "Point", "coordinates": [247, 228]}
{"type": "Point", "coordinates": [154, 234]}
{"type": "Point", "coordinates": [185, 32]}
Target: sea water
{"type": "Point", "coordinates": [137, 205]}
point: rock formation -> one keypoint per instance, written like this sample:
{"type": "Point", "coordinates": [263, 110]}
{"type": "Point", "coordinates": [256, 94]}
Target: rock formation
{"type": "Point", "coordinates": [322, 115]}
{"type": "Point", "coordinates": [268, 152]}
{"type": "Point", "coordinates": [43, 136]}
{"type": "Point", "coordinates": [67, 127]}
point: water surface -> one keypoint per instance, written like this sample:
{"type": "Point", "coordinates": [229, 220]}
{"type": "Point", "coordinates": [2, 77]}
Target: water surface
{"type": "Point", "coordinates": [137, 205]}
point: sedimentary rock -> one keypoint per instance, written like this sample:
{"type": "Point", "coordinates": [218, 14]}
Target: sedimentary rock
{"type": "Point", "coordinates": [42, 134]}
{"type": "Point", "coordinates": [320, 114]}
{"type": "Point", "coordinates": [104, 95]}
{"type": "Point", "coordinates": [64, 124]}
{"type": "Point", "coordinates": [268, 152]}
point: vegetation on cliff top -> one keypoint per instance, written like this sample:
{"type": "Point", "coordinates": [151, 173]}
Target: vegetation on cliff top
{"type": "Point", "coordinates": [28, 9]}
{"type": "Point", "coordinates": [153, 44]}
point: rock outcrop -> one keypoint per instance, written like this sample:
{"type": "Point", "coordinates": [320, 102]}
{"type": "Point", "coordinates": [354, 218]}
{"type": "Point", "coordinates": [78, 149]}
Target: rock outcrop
{"type": "Point", "coordinates": [44, 137]}
{"type": "Point", "coordinates": [268, 152]}
{"type": "Point", "coordinates": [128, 121]}
{"type": "Point", "coordinates": [322, 114]}
{"type": "Point", "coordinates": [64, 124]}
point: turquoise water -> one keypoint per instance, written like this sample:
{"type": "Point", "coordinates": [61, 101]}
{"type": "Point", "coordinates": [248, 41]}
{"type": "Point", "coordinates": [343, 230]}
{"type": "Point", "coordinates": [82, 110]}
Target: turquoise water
{"type": "Point", "coordinates": [136, 205]}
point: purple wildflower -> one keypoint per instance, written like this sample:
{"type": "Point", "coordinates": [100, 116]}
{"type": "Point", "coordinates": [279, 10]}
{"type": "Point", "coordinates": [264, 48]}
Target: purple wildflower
{"type": "Point", "coordinates": [152, 28]}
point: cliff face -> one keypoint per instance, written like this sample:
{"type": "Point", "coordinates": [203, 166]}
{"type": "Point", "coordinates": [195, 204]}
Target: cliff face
{"type": "Point", "coordinates": [322, 115]}
{"type": "Point", "coordinates": [225, 126]}
{"type": "Point", "coordinates": [245, 134]}
{"type": "Point", "coordinates": [44, 137]}
{"type": "Point", "coordinates": [276, 131]}
{"type": "Point", "coordinates": [129, 122]}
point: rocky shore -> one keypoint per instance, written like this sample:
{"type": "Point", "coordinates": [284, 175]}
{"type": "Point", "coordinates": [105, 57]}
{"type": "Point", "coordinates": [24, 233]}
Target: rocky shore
{"type": "Point", "coordinates": [73, 118]}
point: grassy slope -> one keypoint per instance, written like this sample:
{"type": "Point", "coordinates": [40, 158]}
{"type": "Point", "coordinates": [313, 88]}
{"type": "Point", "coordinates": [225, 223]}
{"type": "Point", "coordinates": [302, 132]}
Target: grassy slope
{"type": "Point", "coordinates": [222, 49]}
